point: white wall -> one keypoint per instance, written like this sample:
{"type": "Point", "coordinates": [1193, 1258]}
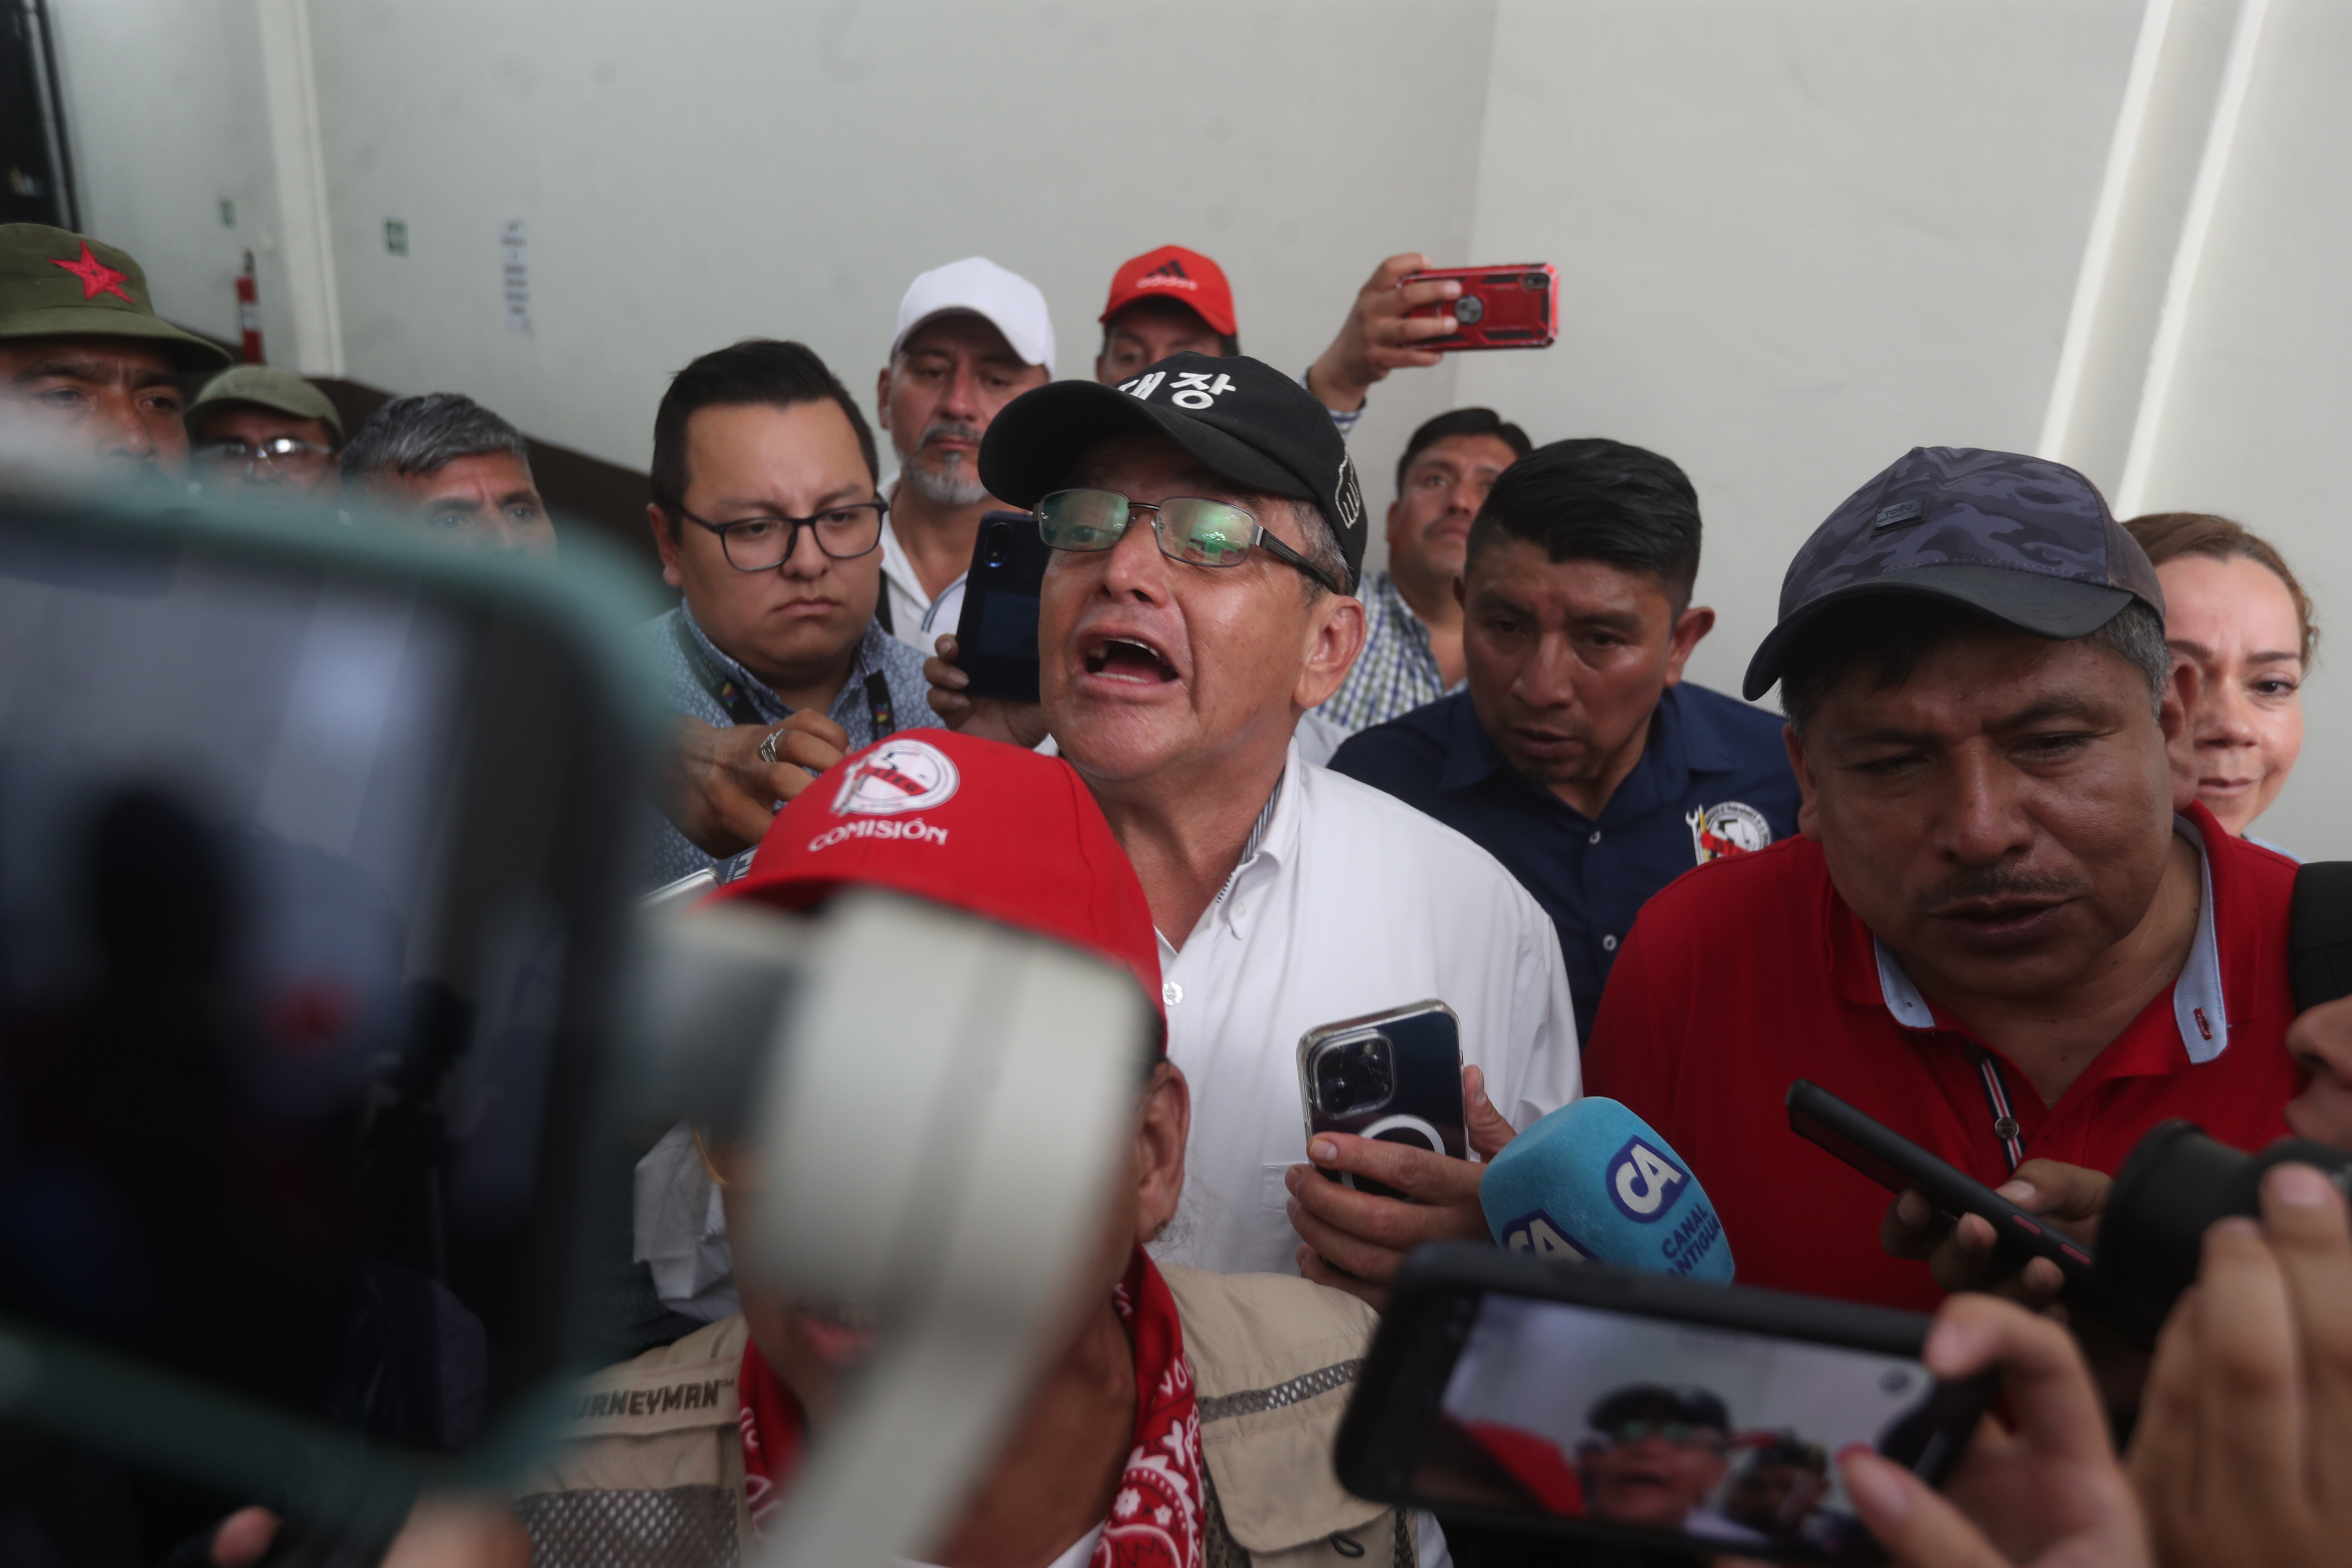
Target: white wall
{"type": "Point", "coordinates": [1796, 236]}
{"type": "Point", "coordinates": [1797, 239]}
{"type": "Point", "coordinates": [2257, 424]}
{"type": "Point", "coordinates": [164, 103]}
{"type": "Point", "coordinates": [787, 170]}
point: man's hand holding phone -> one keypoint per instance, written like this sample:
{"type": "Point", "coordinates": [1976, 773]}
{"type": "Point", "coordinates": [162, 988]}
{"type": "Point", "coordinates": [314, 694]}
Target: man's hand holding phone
{"type": "Point", "coordinates": [1378, 337]}
{"type": "Point", "coordinates": [1021, 723]}
{"type": "Point", "coordinates": [2043, 1489]}
{"type": "Point", "coordinates": [1962, 1255]}
{"type": "Point", "coordinates": [1354, 1241]}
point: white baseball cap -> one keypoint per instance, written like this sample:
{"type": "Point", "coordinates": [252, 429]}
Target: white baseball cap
{"type": "Point", "coordinates": [979, 287]}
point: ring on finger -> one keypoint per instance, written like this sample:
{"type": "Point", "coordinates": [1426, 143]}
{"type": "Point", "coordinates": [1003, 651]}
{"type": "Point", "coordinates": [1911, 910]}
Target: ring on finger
{"type": "Point", "coordinates": [768, 746]}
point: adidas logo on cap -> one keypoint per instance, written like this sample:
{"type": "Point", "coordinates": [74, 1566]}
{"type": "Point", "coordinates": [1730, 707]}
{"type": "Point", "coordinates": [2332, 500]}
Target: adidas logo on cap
{"type": "Point", "coordinates": [1168, 274]}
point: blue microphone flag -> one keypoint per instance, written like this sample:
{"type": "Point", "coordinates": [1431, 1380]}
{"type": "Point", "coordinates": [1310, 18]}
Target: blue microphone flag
{"type": "Point", "coordinates": [1592, 1180]}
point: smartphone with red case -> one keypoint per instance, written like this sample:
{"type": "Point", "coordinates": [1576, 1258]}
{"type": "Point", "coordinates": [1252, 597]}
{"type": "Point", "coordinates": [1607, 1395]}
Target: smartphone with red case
{"type": "Point", "coordinates": [1510, 307]}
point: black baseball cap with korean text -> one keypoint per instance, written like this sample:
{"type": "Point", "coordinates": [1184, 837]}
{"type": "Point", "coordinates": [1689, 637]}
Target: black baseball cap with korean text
{"type": "Point", "coordinates": [2022, 539]}
{"type": "Point", "coordinates": [1241, 417]}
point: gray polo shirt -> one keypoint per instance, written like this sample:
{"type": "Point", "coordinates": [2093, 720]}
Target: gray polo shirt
{"type": "Point", "coordinates": [668, 855]}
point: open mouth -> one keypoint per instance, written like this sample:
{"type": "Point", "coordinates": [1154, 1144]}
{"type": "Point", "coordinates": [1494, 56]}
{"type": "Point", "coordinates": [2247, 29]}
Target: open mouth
{"type": "Point", "coordinates": [839, 1331]}
{"type": "Point", "coordinates": [1125, 658]}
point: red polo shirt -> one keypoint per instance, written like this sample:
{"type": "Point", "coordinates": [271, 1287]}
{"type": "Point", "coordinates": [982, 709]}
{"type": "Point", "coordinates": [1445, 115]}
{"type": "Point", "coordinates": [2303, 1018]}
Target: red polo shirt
{"type": "Point", "coordinates": [1751, 972]}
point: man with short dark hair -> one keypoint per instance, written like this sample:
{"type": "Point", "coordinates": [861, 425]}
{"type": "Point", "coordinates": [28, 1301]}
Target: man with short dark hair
{"type": "Point", "coordinates": [770, 525]}
{"type": "Point", "coordinates": [970, 338]}
{"type": "Point", "coordinates": [265, 435]}
{"type": "Point", "coordinates": [2000, 934]}
{"type": "Point", "coordinates": [444, 466]}
{"type": "Point", "coordinates": [1778, 1490]}
{"type": "Point", "coordinates": [1412, 619]}
{"type": "Point", "coordinates": [90, 374]}
{"type": "Point", "coordinates": [1579, 756]}
{"type": "Point", "coordinates": [1207, 527]}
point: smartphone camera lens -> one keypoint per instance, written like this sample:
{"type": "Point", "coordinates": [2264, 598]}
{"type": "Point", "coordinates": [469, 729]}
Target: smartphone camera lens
{"type": "Point", "coordinates": [1354, 1076]}
{"type": "Point", "coordinates": [1469, 309]}
{"type": "Point", "coordinates": [1000, 544]}
{"type": "Point", "coordinates": [1538, 281]}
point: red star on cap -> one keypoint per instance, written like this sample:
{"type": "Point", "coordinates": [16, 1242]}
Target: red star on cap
{"type": "Point", "coordinates": [97, 277]}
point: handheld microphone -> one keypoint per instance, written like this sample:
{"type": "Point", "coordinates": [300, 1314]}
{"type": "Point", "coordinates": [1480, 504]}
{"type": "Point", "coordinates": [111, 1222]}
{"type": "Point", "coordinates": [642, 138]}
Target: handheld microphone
{"type": "Point", "coordinates": [1592, 1181]}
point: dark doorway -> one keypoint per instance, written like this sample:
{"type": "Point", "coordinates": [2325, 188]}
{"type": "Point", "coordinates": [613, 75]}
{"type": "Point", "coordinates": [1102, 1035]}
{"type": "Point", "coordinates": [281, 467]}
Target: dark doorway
{"type": "Point", "coordinates": [36, 170]}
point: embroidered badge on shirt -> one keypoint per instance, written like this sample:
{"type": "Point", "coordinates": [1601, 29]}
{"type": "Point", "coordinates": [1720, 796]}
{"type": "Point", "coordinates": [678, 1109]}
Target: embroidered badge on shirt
{"type": "Point", "coordinates": [898, 776]}
{"type": "Point", "coordinates": [1735, 827]}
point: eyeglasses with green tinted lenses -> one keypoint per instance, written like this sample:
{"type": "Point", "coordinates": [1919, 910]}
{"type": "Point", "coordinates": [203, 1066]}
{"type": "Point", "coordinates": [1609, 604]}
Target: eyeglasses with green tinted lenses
{"type": "Point", "coordinates": [1197, 531]}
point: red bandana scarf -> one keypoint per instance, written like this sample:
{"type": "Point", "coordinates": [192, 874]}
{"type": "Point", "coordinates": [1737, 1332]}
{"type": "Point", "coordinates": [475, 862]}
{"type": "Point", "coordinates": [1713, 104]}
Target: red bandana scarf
{"type": "Point", "coordinates": [775, 1434]}
{"type": "Point", "coordinates": [1156, 1514]}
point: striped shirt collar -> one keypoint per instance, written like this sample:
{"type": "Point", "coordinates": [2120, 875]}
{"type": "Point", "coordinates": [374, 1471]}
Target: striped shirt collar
{"type": "Point", "coordinates": [1257, 832]}
{"type": "Point", "coordinates": [2199, 1009]}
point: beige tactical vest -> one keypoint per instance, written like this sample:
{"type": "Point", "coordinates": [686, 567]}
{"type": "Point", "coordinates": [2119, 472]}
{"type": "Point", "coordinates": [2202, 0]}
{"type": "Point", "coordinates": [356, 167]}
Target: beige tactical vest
{"type": "Point", "coordinates": [651, 1473]}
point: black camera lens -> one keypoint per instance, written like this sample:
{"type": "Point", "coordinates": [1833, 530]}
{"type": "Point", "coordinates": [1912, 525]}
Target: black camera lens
{"type": "Point", "coordinates": [1538, 281]}
{"type": "Point", "coordinates": [1354, 1076]}
{"type": "Point", "coordinates": [2175, 1184]}
{"type": "Point", "coordinates": [1000, 544]}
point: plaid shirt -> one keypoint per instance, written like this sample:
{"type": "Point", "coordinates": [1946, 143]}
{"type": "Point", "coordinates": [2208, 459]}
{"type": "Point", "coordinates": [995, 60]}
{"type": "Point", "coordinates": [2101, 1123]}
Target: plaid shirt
{"type": "Point", "coordinates": [1396, 673]}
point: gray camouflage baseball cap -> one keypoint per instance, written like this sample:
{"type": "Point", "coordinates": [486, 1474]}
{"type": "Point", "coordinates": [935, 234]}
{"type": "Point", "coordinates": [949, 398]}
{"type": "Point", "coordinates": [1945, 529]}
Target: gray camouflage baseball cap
{"type": "Point", "coordinates": [2021, 539]}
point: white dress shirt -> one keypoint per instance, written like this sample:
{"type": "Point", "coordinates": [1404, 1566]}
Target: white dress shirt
{"type": "Point", "coordinates": [916, 617]}
{"type": "Point", "coordinates": [1351, 902]}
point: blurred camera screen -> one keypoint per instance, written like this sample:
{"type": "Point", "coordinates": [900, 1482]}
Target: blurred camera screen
{"type": "Point", "coordinates": [1575, 1413]}
{"type": "Point", "coordinates": [265, 1117]}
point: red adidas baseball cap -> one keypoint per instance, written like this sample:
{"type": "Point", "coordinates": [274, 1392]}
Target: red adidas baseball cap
{"type": "Point", "coordinates": [976, 824]}
{"type": "Point", "coordinates": [1172, 272]}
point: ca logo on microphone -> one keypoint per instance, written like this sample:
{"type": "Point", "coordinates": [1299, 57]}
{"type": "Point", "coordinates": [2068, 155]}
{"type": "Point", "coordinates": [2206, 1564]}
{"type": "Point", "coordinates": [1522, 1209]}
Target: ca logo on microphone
{"type": "Point", "coordinates": [1643, 1183]}
{"type": "Point", "coordinates": [1538, 1233]}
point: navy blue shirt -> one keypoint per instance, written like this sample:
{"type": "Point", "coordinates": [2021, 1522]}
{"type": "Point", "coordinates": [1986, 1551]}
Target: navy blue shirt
{"type": "Point", "coordinates": [1713, 780]}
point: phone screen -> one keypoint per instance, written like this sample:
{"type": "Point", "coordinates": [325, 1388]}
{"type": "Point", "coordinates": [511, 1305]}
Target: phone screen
{"type": "Point", "coordinates": [278, 1033]}
{"type": "Point", "coordinates": [1716, 1435]}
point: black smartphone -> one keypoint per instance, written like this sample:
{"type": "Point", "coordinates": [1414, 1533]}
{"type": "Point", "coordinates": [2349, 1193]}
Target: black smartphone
{"type": "Point", "coordinates": [1592, 1402]}
{"type": "Point", "coordinates": [1395, 1076]}
{"type": "Point", "coordinates": [996, 634]}
{"type": "Point", "coordinates": [1895, 1162]}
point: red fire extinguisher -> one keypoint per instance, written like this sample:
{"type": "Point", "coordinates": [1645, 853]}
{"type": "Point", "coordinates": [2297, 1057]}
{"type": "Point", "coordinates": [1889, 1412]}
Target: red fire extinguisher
{"type": "Point", "coordinates": [248, 312]}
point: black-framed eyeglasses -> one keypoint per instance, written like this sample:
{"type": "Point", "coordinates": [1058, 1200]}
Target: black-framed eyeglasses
{"type": "Point", "coordinates": [765, 543]}
{"type": "Point", "coordinates": [1193, 529]}
{"type": "Point", "coordinates": [233, 453]}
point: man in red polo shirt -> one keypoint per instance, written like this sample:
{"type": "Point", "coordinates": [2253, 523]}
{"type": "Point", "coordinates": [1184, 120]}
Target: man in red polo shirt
{"type": "Point", "coordinates": [1995, 935]}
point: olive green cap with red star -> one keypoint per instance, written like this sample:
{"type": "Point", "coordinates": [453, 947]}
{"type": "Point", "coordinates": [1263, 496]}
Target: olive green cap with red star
{"type": "Point", "coordinates": [55, 284]}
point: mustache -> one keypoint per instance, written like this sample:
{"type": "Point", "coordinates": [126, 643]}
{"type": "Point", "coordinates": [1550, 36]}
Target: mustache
{"type": "Point", "coordinates": [1995, 884]}
{"type": "Point", "coordinates": [945, 429]}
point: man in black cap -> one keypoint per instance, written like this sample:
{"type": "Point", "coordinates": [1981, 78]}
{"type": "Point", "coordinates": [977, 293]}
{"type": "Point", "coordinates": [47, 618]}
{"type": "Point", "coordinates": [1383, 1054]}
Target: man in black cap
{"type": "Point", "coordinates": [1208, 530]}
{"type": "Point", "coordinates": [1667, 1450]}
{"type": "Point", "coordinates": [89, 371]}
{"type": "Point", "coordinates": [1999, 933]}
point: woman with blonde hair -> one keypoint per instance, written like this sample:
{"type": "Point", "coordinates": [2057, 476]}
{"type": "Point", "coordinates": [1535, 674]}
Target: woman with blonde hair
{"type": "Point", "coordinates": [2234, 610]}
